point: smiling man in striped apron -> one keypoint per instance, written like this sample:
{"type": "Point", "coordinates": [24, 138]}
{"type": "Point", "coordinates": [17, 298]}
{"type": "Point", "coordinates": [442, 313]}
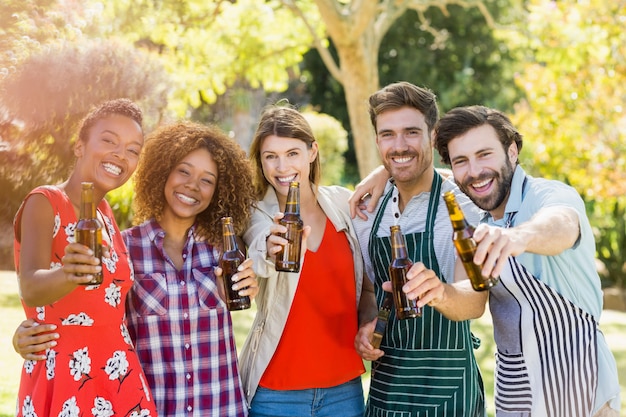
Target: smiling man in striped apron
{"type": "Point", "coordinates": [425, 366]}
{"type": "Point", "coordinates": [552, 359]}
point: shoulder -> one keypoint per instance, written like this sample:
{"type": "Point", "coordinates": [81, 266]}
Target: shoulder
{"type": "Point", "coordinates": [334, 196]}
{"type": "Point", "coordinates": [546, 193]}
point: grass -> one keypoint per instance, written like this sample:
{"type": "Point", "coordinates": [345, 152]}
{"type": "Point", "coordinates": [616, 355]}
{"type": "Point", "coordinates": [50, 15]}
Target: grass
{"type": "Point", "coordinates": [613, 324]}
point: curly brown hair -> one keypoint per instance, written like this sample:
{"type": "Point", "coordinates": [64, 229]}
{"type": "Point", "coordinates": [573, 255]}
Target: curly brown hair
{"type": "Point", "coordinates": [166, 147]}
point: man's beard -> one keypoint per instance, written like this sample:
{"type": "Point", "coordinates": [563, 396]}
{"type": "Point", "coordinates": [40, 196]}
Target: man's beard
{"type": "Point", "coordinates": [502, 181]}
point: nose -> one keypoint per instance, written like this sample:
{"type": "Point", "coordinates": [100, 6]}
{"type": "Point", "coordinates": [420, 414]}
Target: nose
{"type": "Point", "coordinates": [281, 164]}
{"type": "Point", "coordinates": [192, 184]}
{"type": "Point", "coordinates": [474, 168]}
{"type": "Point", "coordinates": [400, 144]}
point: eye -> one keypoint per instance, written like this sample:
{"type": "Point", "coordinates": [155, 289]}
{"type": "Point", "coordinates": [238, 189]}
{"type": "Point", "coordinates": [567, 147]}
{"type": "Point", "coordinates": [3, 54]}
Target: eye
{"type": "Point", "coordinates": [268, 157]}
{"type": "Point", "coordinates": [293, 153]}
{"type": "Point", "coordinates": [207, 181]}
{"type": "Point", "coordinates": [183, 171]}
{"type": "Point", "coordinates": [135, 152]}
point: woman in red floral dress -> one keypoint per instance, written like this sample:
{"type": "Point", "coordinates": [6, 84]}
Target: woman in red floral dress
{"type": "Point", "coordinates": [93, 369]}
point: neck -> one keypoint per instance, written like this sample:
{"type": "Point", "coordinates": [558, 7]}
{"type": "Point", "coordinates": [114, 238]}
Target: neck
{"type": "Point", "coordinates": [72, 188]}
{"type": "Point", "coordinates": [408, 190]}
{"type": "Point", "coordinates": [175, 228]}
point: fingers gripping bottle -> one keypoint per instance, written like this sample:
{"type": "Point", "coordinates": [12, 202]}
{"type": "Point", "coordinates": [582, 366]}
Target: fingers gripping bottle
{"type": "Point", "coordinates": [89, 229]}
{"type": "Point", "coordinates": [229, 261]}
{"type": "Point", "coordinates": [462, 236]}
{"type": "Point", "coordinates": [288, 259]}
{"type": "Point", "coordinates": [400, 265]}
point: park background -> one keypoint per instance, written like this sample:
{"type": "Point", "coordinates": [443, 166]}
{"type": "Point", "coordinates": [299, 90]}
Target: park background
{"type": "Point", "coordinates": [558, 68]}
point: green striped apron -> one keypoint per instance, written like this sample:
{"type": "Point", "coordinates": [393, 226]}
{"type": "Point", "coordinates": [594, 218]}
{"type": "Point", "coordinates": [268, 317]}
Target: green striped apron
{"type": "Point", "coordinates": [428, 369]}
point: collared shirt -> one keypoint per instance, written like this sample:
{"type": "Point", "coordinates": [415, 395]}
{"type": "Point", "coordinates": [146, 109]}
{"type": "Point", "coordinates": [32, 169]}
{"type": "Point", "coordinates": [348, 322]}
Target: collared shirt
{"type": "Point", "coordinates": [413, 220]}
{"type": "Point", "coordinates": [181, 327]}
{"type": "Point", "coordinates": [572, 273]}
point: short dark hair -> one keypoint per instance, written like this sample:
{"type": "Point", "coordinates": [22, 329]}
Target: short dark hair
{"type": "Point", "coordinates": [460, 120]}
{"type": "Point", "coordinates": [404, 94]}
{"type": "Point", "coordinates": [119, 106]}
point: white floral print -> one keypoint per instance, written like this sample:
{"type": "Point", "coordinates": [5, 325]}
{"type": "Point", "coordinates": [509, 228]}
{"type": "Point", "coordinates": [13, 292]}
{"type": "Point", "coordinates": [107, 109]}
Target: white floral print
{"type": "Point", "coordinates": [142, 413]}
{"type": "Point", "coordinates": [41, 313]}
{"type": "Point", "coordinates": [70, 408]}
{"type": "Point", "coordinates": [57, 225]}
{"type": "Point", "coordinates": [126, 335]}
{"type": "Point", "coordinates": [80, 319]}
{"type": "Point", "coordinates": [80, 364]}
{"type": "Point", "coordinates": [111, 263]}
{"type": "Point", "coordinates": [69, 232]}
{"type": "Point", "coordinates": [28, 410]}
{"type": "Point", "coordinates": [117, 366]}
{"type": "Point", "coordinates": [29, 366]}
{"type": "Point", "coordinates": [113, 295]}
{"type": "Point", "coordinates": [51, 363]}
{"type": "Point", "coordinates": [102, 407]}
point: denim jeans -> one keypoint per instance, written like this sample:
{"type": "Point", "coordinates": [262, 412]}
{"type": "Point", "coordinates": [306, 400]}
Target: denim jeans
{"type": "Point", "coordinates": [345, 400]}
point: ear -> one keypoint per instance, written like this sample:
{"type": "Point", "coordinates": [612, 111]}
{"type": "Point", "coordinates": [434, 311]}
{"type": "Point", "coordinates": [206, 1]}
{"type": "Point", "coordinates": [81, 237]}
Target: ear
{"type": "Point", "coordinates": [313, 152]}
{"type": "Point", "coordinates": [512, 153]}
{"type": "Point", "coordinates": [79, 148]}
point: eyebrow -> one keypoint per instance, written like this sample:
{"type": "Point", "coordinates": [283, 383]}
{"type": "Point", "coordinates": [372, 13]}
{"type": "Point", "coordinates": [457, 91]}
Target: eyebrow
{"type": "Point", "coordinates": [140, 144]}
{"type": "Point", "coordinates": [404, 129]}
{"type": "Point", "coordinates": [189, 165]}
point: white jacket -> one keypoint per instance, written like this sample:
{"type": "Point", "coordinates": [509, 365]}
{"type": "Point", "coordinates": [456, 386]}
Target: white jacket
{"type": "Point", "coordinates": [277, 289]}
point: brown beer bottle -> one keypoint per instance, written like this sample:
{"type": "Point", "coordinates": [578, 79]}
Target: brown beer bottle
{"type": "Point", "coordinates": [89, 229]}
{"type": "Point", "coordinates": [288, 259]}
{"type": "Point", "coordinates": [400, 265]}
{"type": "Point", "coordinates": [229, 261]}
{"type": "Point", "coordinates": [465, 244]}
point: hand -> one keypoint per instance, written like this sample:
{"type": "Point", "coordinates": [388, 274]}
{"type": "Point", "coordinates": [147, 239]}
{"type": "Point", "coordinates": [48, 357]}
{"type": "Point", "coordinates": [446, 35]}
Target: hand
{"type": "Point", "coordinates": [422, 285]}
{"type": "Point", "coordinates": [245, 279]}
{"type": "Point", "coordinates": [31, 339]}
{"type": "Point", "coordinates": [275, 242]}
{"type": "Point", "coordinates": [363, 342]}
{"type": "Point", "coordinates": [367, 193]}
{"type": "Point", "coordinates": [494, 246]}
{"type": "Point", "coordinates": [79, 263]}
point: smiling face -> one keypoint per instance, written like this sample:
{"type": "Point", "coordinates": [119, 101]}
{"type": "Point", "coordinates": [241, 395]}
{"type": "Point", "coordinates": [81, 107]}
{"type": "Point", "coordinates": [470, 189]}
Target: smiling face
{"type": "Point", "coordinates": [110, 153]}
{"type": "Point", "coordinates": [286, 159]}
{"type": "Point", "coordinates": [405, 146]}
{"type": "Point", "coordinates": [482, 169]}
{"type": "Point", "coordinates": [190, 185]}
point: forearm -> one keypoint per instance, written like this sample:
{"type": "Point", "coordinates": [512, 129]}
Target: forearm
{"type": "Point", "coordinates": [368, 309]}
{"type": "Point", "coordinates": [550, 231]}
{"type": "Point", "coordinates": [44, 286]}
{"type": "Point", "coordinates": [460, 302]}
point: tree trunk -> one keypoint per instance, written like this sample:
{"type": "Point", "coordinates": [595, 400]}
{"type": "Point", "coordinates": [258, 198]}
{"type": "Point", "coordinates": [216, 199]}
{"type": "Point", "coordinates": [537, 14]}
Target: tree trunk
{"type": "Point", "coordinates": [359, 68]}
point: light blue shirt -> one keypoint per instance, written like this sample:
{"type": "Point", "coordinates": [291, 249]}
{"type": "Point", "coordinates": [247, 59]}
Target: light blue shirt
{"type": "Point", "coordinates": [572, 273]}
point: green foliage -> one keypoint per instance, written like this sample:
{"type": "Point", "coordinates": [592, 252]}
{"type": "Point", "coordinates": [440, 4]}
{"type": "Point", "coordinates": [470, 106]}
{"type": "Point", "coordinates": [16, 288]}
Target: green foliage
{"type": "Point", "coordinates": [208, 46]}
{"type": "Point", "coordinates": [333, 142]}
{"type": "Point", "coordinates": [573, 118]}
{"type": "Point", "coordinates": [120, 201]}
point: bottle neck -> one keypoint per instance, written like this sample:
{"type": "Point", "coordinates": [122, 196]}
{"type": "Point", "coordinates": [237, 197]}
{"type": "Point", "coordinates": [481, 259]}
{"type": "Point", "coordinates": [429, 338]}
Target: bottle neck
{"type": "Point", "coordinates": [293, 201]}
{"type": "Point", "coordinates": [398, 245]}
{"type": "Point", "coordinates": [87, 205]}
{"type": "Point", "coordinates": [229, 240]}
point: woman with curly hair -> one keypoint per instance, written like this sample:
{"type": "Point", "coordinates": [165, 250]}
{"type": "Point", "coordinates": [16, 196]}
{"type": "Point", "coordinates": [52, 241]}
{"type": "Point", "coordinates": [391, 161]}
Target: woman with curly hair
{"type": "Point", "coordinates": [189, 177]}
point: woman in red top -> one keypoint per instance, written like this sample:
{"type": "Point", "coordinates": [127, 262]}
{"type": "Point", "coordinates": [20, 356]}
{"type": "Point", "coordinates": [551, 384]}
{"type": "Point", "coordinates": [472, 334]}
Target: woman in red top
{"type": "Point", "coordinates": [299, 359]}
{"type": "Point", "coordinates": [94, 360]}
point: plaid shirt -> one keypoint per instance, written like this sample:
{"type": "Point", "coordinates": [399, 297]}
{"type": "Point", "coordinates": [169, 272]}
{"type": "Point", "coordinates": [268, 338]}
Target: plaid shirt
{"type": "Point", "coordinates": [181, 328]}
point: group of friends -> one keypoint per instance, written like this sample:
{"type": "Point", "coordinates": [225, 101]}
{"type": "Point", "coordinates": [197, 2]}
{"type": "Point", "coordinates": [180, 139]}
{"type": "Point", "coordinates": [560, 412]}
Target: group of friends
{"type": "Point", "coordinates": [156, 337]}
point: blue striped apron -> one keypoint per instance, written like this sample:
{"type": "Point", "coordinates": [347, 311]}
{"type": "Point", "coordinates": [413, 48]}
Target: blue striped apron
{"type": "Point", "coordinates": [428, 369]}
{"type": "Point", "coordinates": [546, 364]}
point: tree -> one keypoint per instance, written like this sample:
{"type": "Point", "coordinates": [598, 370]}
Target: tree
{"type": "Point", "coordinates": [356, 29]}
{"type": "Point", "coordinates": [573, 118]}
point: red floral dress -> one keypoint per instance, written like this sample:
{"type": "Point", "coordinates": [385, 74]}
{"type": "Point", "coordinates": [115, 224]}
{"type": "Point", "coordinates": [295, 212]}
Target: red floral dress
{"type": "Point", "coordinates": [93, 370]}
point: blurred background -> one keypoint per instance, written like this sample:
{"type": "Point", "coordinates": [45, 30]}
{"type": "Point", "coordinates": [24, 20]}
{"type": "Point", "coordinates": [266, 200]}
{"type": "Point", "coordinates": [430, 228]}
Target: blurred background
{"type": "Point", "coordinates": [558, 68]}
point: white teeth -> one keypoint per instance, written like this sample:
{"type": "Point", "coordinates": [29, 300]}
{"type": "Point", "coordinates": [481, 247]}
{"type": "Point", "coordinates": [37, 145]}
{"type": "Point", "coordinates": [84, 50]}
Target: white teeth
{"type": "Point", "coordinates": [481, 184]}
{"type": "Point", "coordinates": [403, 159]}
{"type": "Point", "coordinates": [186, 199]}
{"type": "Point", "coordinates": [287, 179]}
{"type": "Point", "coordinates": [112, 169]}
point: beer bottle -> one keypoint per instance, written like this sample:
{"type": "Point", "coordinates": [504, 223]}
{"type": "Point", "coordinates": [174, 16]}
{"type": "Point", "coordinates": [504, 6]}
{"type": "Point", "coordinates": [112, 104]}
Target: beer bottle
{"type": "Point", "coordinates": [89, 229]}
{"type": "Point", "coordinates": [288, 259]}
{"type": "Point", "coordinates": [465, 244]}
{"type": "Point", "coordinates": [400, 265]}
{"type": "Point", "coordinates": [229, 261]}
